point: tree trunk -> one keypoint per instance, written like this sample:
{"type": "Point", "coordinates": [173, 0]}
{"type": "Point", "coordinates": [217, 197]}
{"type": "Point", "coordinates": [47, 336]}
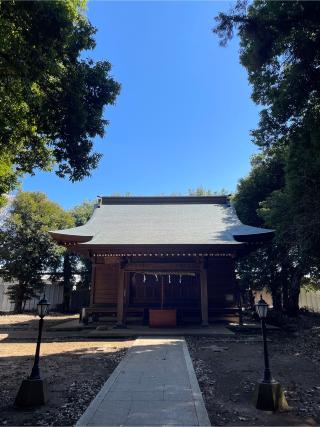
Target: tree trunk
{"type": "Point", "coordinates": [19, 298]}
{"type": "Point", "coordinates": [66, 302]}
{"type": "Point", "coordinates": [18, 306]}
{"type": "Point", "coordinates": [276, 293]}
{"type": "Point", "coordinates": [285, 280]}
{"type": "Point", "coordinates": [277, 299]}
{"type": "Point", "coordinates": [67, 281]}
{"type": "Point", "coordinates": [285, 295]}
{"type": "Point", "coordinates": [294, 292]}
{"type": "Point", "coordinates": [251, 300]}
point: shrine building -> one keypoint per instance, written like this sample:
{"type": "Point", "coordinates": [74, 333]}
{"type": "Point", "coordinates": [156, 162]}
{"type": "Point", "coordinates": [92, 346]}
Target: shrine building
{"type": "Point", "coordinates": [163, 260]}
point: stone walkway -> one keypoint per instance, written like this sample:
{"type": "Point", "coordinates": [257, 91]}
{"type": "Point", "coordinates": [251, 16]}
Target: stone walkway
{"type": "Point", "coordinates": [154, 385]}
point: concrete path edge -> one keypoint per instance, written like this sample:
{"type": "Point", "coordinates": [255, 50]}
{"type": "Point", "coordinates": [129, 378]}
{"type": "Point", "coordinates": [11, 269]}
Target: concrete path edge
{"type": "Point", "coordinates": [201, 410]}
{"type": "Point", "coordinates": [95, 403]}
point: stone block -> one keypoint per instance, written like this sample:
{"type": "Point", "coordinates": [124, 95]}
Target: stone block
{"type": "Point", "coordinates": [32, 393]}
{"type": "Point", "coordinates": [270, 397]}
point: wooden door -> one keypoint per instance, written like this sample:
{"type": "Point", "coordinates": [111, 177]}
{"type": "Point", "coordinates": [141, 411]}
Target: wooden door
{"type": "Point", "coordinates": [178, 291]}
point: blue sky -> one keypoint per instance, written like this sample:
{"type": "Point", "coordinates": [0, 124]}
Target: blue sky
{"type": "Point", "coordinates": [184, 114]}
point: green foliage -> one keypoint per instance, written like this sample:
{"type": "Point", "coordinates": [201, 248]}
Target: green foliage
{"type": "Point", "coordinates": [303, 190]}
{"type": "Point", "coordinates": [266, 176]}
{"type": "Point", "coordinates": [8, 178]}
{"type": "Point", "coordinates": [310, 284]}
{"type": "Point", "coordinates": [74, 264]}
{"type": "Point", "coordinates": [201, 191]}
{"type": "Point", "coordinates": [280, 48]}
{"type": "Point", "coordinates": [51, 100]}
{"type": "Point", "coordinates": [82, 213]}
{"type": "Point", "coordinates": [126, 194]}
{"type": "Point", "coordinates": [26, 248]}
{"type": "Point", "coordinates": [270, 266]}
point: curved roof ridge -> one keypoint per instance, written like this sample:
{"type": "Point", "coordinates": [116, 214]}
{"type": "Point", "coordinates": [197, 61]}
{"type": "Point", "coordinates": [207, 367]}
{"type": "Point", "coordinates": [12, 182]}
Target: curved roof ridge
{"type": "Point", "coordinates": [153, 200]}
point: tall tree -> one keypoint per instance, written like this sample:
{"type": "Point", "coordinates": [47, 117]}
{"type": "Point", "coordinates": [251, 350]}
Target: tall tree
{"type": "Point", "coordinates": [51, 98]}
{"type": "Point", "coordinates": [82, 212]}
{"type": "Point", "coordinates": [73, 264]}
{"type": "Point", "coordinates": [26, 248]}
{"type": "Point", "coordinates": [266, 176]}
{"type": "Point", "coordinates": [280, 48]}
{"type": "Point", "coordinates": [263, 268]}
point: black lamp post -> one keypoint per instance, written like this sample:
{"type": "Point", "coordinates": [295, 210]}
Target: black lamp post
{"type": "Point", "coordinates": [262, 310]}
{"type": "Point", "coordinates": [33, 391]}
{"type": "Point", "coordinates": [43, 307]}
{"type": "Point", "coordinates": [268, 393]}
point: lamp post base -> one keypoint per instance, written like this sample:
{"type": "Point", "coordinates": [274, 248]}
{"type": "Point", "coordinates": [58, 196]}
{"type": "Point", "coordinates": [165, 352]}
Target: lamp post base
{"type": "Point", "coordinates": [32, 393]}
{"type": "Point", "coordinates": [270, 397]}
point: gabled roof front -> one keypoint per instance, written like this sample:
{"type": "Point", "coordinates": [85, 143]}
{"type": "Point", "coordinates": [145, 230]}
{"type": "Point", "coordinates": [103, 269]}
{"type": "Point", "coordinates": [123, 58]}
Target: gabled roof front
{"type": "Point", "coordinates": [147, 221]}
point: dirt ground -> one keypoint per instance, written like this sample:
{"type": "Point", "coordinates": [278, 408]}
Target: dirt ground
{"type": "Point", "coordinates": [75, 370]}
{"type": "Point", "coordinates": [228, 370]}
{"type": "Point", "coordinates": [30, 320]}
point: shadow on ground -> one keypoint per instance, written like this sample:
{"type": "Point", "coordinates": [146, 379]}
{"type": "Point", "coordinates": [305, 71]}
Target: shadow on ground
{"type": "Point", "coordinates": [74, 378]}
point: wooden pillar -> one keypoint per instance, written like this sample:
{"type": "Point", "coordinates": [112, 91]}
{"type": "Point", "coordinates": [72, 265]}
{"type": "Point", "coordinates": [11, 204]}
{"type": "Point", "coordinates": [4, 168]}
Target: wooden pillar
{"type": "Point", "coordinates": [204, 295]}
{"type": "Point", "coordinates": [93, 281]}
{"type": "Point", "coordinates": [121, 314]}
{"type": "Point", "coordinates": [127, 288]}
{"type": "Point", "coordinates": [120, 304]}
{"type": "Point", "coordinates": [125, 296]}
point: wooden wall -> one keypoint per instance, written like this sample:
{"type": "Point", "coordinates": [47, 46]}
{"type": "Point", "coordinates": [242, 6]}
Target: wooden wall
{"type": "Point", "coordinates": [220, 276]}
{"type": "Point", "coordinates": [221, 282]}
{"type": "Point", "coordinates": [105, 277]}
{"type": "Point", "coordinates": [175, 294]}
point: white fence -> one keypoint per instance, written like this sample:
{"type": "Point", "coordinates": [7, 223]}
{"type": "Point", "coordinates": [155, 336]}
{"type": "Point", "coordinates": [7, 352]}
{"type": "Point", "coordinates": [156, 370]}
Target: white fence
{"type": "Point", "coordinates": [310, 300]}
{"type": "Point", "coordinates": [53, 292]}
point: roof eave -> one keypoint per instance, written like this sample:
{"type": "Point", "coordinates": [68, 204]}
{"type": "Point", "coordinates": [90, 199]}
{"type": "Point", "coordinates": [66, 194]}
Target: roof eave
{"type": "Point", "coordinates": [255, 238]}
{"type": "Point", "coordinates": [67, 238]}
{"type": "Point", "coordinates": [158, 249]}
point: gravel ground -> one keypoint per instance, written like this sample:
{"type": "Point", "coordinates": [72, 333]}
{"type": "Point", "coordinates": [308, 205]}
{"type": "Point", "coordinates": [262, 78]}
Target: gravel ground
{"type": "Point", "coordinates": [228, 370]}
{"type": "Point", "coordinates": [75, 370]}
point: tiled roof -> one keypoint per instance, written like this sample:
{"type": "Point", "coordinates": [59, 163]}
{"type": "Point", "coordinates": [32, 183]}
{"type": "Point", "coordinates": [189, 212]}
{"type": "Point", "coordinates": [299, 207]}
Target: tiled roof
{"type": "Point", "coordinates": [162, 221]}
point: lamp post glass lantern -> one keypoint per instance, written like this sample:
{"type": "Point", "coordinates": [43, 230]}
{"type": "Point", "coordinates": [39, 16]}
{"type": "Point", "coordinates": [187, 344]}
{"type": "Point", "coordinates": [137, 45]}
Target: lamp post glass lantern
{"type": "Point", "coordinates": [262, 308]}
{"type": "Point", "coordinates": [43, 307]}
